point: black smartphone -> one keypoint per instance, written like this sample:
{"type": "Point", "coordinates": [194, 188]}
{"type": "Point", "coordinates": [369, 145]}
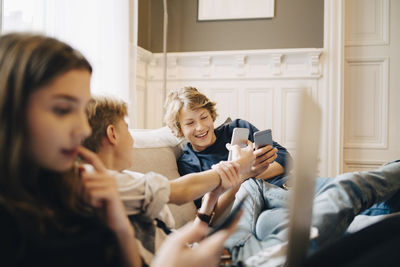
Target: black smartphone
{"type": "Point", "coordinates": [230, 218]}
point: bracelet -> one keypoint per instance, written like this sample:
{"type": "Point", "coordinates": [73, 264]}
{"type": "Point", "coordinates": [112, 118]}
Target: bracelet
{"type": "Point", "coordinates": [204, 217]}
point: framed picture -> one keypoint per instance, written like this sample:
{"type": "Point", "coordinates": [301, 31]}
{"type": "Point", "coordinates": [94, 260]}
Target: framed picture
{"type": "Point", "coordinates": [235, 9]}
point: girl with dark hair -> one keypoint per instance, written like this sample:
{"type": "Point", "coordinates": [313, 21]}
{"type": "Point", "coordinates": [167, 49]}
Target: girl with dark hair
{"type": "Point", "coordinates": [54, 211]}
{"type": "Point", "coordinates": [51, 215]}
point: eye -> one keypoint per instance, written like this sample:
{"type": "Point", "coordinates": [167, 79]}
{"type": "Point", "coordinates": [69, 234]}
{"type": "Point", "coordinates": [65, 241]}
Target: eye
{"type": "Point", "coordinates": [60, 111]}
{"type": "Point", "coordinates": [204, 117]}
{"type": "Point", "coordinates": [189, 123]}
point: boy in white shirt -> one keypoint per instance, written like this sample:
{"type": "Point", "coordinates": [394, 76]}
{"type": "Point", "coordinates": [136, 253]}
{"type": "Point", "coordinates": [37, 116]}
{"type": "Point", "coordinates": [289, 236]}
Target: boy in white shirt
{"type": "Point", "coordinates": [146, 195]}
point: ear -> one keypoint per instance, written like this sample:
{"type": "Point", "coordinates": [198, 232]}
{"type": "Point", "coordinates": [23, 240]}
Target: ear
{"type": "Point", "coordinates": [180, 133]}
{"type": "Point", "coordinates": [111, 134]}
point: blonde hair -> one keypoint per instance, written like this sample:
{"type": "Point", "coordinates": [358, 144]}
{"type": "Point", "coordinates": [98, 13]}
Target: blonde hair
{"type": "Point", "coordinates": [102, 112]}
{"type": "Point", "coordinates": [188, 97]}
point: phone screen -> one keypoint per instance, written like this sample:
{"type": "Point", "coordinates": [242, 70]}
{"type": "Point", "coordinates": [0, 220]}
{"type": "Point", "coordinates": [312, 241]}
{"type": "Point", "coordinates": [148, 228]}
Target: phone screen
{"type": "Point", "coordinates": [263, 138]}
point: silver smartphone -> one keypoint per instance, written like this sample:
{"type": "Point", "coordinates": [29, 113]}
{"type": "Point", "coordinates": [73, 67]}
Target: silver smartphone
{"type": "Point", "coordinates": [263, 138]}
{"type": "Point", "coordinates": [239, 137]}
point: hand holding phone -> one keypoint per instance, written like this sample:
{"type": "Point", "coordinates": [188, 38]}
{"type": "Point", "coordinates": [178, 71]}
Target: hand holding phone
{"type": "Point", "coordinates": [263, 138]}
{"type": "Point", "coordinates": [239, 137]}
{"type": "Point", "coordinates": [230, 218]}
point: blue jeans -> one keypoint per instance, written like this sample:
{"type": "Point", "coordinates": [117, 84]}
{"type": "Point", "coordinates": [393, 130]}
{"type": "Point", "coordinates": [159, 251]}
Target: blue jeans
{"type": "Point", "coordinates": [264, 222]}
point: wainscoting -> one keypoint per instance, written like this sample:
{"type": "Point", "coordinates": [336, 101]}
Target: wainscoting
{"type": "Point", "coordinates": [349, 77]}
{"type": "Point", "coordinates": [261, 86]}
{"type": "Point", "coordinates": [371, 83]}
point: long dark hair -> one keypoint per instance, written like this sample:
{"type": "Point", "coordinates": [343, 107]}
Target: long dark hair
{"type": "Point", "coordinates": [28, 62]}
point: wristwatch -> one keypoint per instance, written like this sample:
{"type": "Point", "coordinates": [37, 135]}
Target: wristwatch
{"type": "Point", "coordinates": [204, 217]}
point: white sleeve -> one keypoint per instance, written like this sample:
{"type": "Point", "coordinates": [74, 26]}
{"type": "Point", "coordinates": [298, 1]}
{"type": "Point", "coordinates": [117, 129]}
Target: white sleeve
{"type": "Point", "coordinates": [146, 194]}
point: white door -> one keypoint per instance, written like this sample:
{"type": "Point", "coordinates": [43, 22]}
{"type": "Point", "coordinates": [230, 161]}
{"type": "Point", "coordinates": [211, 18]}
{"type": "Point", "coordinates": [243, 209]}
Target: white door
{"type": "Point", "coordinates": [371, 84]}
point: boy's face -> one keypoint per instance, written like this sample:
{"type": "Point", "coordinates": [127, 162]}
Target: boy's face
{"type": "Point", "coordinates": [124, 147]}
{"type": "Point", "coordinates": [197, 127]}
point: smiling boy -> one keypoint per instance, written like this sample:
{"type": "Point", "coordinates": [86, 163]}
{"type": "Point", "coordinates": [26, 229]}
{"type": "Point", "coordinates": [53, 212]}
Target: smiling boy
{"type": "Point", "coordinates": [191, 115]}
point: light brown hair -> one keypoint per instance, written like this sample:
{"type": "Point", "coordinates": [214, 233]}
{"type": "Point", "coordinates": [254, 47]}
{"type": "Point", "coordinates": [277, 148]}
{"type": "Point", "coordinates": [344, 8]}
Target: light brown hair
{"type": "Point", "coordinates": [188, 97]}
{"type": "Point", "coordinates": [102, 112]}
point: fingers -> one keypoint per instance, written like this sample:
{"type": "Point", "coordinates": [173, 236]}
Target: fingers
{"type": "Point", "coordinates": [228, 172]}
{"type": "Point", "coordinates": [250, 145]}
{"type": "Point", "coordinates": [96, 189]}
{"type": "Point", "coordinates": [263, 150]}
{"type": "Point", "coordinates": [228, 146]}
{"type": "Point", "coordinates": [266, 153]}
{"type": "Point", "coordinates": [92, 158]}
{"type": "Point", "coordinates": [234, 148]}
{"type": "Point", "coordinates": [215, 242]}
{"type": "Point", "coordinates": [190, 233]}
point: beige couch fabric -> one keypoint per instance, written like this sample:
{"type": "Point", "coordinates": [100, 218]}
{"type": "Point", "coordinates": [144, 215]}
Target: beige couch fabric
{"type": "Point", "coordinates": [160, 156]}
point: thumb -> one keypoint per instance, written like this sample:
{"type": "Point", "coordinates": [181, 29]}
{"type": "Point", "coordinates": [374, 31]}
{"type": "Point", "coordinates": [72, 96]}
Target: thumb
{"type": "Point", "coordinates": [250, 144]}
{"type": "Point", "coordinates": [228, 146]}
{"type": "Point", "coordinates": [234, 148]}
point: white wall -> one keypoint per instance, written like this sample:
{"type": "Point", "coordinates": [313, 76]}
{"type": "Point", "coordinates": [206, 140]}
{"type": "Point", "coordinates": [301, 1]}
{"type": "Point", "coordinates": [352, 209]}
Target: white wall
{"type": "Point", "coordinates": [100, 29]}
{"type": "Point", "coordinates": [261, 86]}
{"type": "Point", "coordinates": [371, 84]}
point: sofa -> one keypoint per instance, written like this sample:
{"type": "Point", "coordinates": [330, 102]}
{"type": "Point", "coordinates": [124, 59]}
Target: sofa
{"type": "Point", "coordinates": [157, 150]}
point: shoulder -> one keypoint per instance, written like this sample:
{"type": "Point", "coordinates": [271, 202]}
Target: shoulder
{"type": "Point", "coordinates": [188, 162]}
{"type": "Point", "coordinates": [244, 124]}
{"type": "Point", "coordinates": [187, 153]}
{"type": "Point", "coordinates": [188, 157]}
{"type": "Point", "coordinates": [133, 174]}
{"type": "Point", "coordinates": [238, 123]}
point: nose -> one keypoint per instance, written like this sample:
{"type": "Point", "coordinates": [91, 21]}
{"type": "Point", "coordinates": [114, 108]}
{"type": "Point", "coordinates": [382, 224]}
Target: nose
{"type": "Point", "coordinates": [82, 129]}
{"type": "Point", "coordinates": [199, 126]}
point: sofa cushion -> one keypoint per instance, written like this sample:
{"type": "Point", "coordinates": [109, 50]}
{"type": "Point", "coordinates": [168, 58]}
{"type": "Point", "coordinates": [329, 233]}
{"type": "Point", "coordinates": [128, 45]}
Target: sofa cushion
{"type": "Point", "coordinates": [163, 160]}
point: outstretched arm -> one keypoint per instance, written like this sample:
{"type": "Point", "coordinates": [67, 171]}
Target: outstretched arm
{"type": "Point", "coordinates": [195, 185]}
{"type": "Point", "coordinates": [221, 200]}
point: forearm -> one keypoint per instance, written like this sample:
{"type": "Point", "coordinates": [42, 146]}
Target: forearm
{"type": "Point", "coordinates": [225, 201]}
{"type": "Point", "coordinates": [273, 170]}
{"type": "Point", "coordinates": [193, 186]}
{"type": "Point", "coordinates": [207, 206]}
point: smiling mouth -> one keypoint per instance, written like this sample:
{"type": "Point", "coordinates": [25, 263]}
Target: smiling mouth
{"type": "Point", "coordinates": [201, 135]}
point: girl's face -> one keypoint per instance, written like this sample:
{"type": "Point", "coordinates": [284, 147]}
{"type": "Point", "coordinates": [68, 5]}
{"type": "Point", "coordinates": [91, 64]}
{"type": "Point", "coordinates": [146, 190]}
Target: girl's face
{"type": "Point", "coordinates": [57, 121]}
{"type": "Point", "coordinates": [197, 127]}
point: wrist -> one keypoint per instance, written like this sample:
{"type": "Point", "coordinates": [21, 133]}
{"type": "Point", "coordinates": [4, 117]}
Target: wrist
{"type": "Point", "coordinates": [208, 202]}
{"type": "Point", "coordinates": [207, 218]}
{"type": "Point", "coordinates": [242, 171]}
{"type": "Point", "coordinates": [124, 230]}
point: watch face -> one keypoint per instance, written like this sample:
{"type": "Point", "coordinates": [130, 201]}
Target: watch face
{"type": "Point", "coordinates": [204, 217]}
